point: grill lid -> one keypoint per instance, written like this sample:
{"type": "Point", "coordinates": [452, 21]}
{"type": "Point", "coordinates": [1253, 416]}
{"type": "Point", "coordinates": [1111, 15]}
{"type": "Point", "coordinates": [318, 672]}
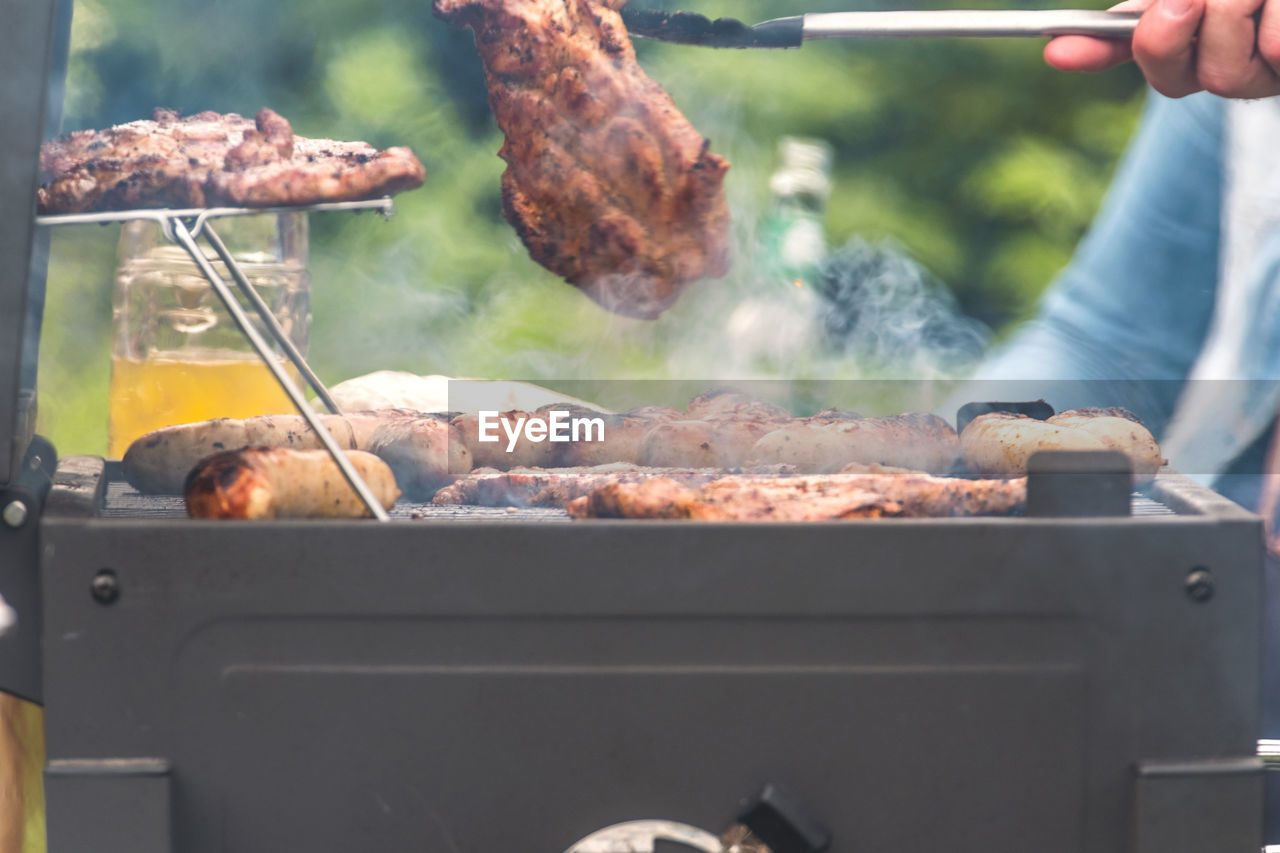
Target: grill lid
{"type": "Point", "coordinates": [33, 61]}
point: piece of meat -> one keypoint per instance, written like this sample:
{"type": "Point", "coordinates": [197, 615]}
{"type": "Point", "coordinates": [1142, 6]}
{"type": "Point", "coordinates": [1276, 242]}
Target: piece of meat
{"type": "Point", "coordinates": [731, 403]}
{"type": "Point", "coordinates": [623, 437]}
{"type": "Point", "coordinates": [1119, 429]}
{"type": "Point", "coordinates": [277, 482]}
{"type": "Point", "coordinates": [825, 444]}
{"type": "Point", "coordinates": [211, 159]}
{"type": "Point", "coordinates": [663, 498]}
{"type": "Point", "coordinates": [501, 450]}
{"type": "Point", "coordinates": [425, 452]}
{"type": "Point", "coordinates": [713, 443]}
{"type": "Point", "coordinates": [607, 184]}
{"type": "Point", "coordinates": [807, 498]}
{"type": "Point", "coordinates": [421, 447]}
{"type": "Point", "coordinates": [998, 444]}
{"type": "Point", "coordinates": [556, 487]}
{"type": "Point", "coordinates": [657, 414]}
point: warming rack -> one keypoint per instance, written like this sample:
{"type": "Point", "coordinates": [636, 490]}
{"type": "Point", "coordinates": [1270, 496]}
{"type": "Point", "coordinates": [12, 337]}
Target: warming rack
{"type": "Point", "coordinates": [184, 227]}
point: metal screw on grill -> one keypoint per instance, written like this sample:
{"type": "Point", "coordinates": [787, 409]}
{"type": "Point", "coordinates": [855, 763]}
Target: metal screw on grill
{"type": "Point", "coordinates": [105, 587]}
{"type": "Point", "coordinates": [1199, 585]}
{"type": "Point", "coordinates": [14, 513]}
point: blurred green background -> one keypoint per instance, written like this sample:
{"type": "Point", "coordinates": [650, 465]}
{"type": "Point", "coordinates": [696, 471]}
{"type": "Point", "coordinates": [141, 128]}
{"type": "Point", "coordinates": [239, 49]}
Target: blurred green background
{"type": "Point", "coordinates": [980, 161]}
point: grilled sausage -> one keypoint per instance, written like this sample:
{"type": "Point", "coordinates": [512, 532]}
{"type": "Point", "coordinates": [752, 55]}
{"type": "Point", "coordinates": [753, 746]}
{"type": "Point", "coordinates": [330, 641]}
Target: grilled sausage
{"type": "Point", "coordinates": [1118, 430]}
{"type": "Point", "coordinates": [824, 445]}
{"type": "Point", "coordinates": [714, 443]}
{"type": "Point", "coordinates": [729, 403]}
{"type": "Point", "coordinates": [277, 482]}
{"type": "Point", "coordinates": [998, 444]}
{"type": "Point", "coordinates": [494, 454]}
{"type": "Point", "coordinates": [425, 453]}
{"type": "Point", "coordinates": [159, 461]}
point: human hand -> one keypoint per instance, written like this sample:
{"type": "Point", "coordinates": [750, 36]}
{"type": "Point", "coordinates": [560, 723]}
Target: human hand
{"type": "Point", "coordinates": [1228, 47]}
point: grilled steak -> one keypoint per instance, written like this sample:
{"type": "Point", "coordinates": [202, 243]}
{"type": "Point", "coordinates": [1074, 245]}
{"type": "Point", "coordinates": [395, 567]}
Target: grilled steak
{"type": "Point", "coordinates": [606, 183]}
{"type": "Point", "coordinates": [557, 487]}
{"type": "Point", "coordinates": [812, 498]}
{"type": "Point", "coordinates": [210, 159]}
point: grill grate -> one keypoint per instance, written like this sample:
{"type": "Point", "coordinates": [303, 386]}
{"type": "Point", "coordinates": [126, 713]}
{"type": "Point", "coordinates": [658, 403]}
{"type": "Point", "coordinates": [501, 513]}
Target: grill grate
{"type": "Point", "coordinates": [123, 501]}
{"type": "Point", "coordinates": [1142, 506]}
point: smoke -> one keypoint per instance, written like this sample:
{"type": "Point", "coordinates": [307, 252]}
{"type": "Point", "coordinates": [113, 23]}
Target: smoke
{"type": "Point", "coordinates": [871, 312]}
{"type": "Point", "coordinates": [890, 315]}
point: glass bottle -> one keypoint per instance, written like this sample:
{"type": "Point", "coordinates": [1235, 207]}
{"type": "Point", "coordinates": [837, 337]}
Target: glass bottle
{"type": "Point", "coordinates": [792, 234]}
{"type": "Point", "coordinates": [772, 326]}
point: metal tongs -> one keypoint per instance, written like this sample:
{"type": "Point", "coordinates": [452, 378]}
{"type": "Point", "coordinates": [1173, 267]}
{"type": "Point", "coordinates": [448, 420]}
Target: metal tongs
{"type": "Point", "coordinates": [793, 31]}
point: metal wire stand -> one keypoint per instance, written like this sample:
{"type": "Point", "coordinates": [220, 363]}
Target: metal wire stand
{"type": "Point", "coordinates": [184, 227]}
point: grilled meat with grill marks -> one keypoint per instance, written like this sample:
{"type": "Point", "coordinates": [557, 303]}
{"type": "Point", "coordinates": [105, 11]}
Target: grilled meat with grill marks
{"type": "Point", "coordinates": [278, 482]}
{"type": "Point", "coordinates": [812, 498]}
{"type": "Point", "coordinates": [556, 487]}
{"type": "Point", "coordinates": [606, 183]}
{"type": "Point", "coordinates": [210, 159]}
{"type": "Point", "coordinates": [423, 449]}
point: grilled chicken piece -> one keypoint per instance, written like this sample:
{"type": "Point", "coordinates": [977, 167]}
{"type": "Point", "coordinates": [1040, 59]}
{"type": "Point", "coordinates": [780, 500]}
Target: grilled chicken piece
{"type": "Point", "coordinates": [813, 498]}
{"type": "Point", "coordinates": [607, 184]}
{"type": "Point", "coordinates": [211, 159]}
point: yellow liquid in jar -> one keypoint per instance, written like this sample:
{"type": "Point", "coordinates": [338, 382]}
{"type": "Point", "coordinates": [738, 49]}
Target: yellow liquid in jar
{"type": "Point", "coordinates": [153, 393]}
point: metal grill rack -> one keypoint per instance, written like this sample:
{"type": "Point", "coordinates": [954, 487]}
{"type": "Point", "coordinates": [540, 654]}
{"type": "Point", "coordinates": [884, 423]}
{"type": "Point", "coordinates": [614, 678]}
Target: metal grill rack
{"type": "Point", "coordinates": [184, 227]}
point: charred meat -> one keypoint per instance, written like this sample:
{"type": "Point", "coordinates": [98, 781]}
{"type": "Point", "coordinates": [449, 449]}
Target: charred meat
{"type": "Point", "coordinates": [811, 498]}
{"type": "Point", "coordinates": [557, 487]}
{"type": "Point", "coordinates": [211, 159]}
{"type": "Point", "coordinates": [607, 184]}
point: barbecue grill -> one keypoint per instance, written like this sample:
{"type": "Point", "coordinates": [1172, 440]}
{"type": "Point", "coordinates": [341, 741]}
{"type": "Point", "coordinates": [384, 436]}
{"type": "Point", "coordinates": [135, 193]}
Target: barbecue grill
{"type": "Point", "coordinates": [1081, 679]}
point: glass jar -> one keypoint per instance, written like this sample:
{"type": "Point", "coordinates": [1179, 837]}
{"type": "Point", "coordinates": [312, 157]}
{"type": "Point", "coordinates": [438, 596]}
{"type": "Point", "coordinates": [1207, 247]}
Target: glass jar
{"type": "Point", "coordinates": [177, 356]}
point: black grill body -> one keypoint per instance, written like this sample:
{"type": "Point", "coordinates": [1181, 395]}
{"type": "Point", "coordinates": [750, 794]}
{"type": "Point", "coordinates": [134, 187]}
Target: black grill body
{"type": "Point", "coordinates": [1062, 685]}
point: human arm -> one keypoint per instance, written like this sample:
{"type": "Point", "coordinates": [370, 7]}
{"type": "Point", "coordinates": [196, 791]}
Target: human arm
{"type": "Point", "coordinates": [1124, 322]}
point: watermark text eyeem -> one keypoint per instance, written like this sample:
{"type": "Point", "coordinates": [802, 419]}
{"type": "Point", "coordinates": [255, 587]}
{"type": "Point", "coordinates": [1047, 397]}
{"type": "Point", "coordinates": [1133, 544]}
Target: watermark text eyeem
{"type": "Point", "coordinates": [556, 426]}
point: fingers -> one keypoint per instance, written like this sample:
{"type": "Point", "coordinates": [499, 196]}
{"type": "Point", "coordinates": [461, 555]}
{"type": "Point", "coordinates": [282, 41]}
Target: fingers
{"type": "Point", "coordinates": [1229, 62]}
{"type": "Point", "coordinates": [1164, 46]}
{"type": "Point", "coordinates": [1081, 53]}
{"type": "Point", "coordinates": [1269, 36]}
{"type": "Point", "coordinates": [1229, 47]}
